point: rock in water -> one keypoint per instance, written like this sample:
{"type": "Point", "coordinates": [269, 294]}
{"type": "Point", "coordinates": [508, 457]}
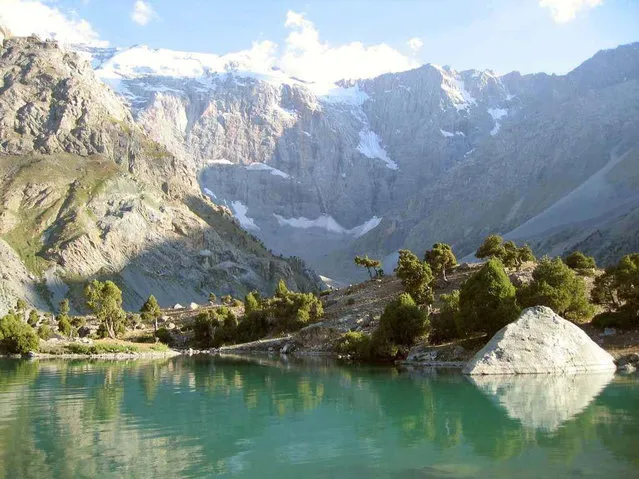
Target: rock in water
{"type": "Point", "coordinates": [540, 342]}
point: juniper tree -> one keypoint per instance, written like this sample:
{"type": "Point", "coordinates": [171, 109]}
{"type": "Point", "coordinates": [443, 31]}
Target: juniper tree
{"type": "Point", "coordinates": [487, 300]}
{"type": "Point", "coordinates": [416, 277]}
{"type": "Point", "coordinates": [105, 300]}
{"type": "Point", "coordinates": [150, 311]}
{"type": "Point", "coordinates": [440, 258]}
{"type": "Point", "coordinates": [369, 264]}
{"type": "Point", "coordinates": [557, 286]}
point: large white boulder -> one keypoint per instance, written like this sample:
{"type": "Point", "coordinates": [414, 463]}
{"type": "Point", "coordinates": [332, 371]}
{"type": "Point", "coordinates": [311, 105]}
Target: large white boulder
{"type": "Point", "coordinates": [540, 342]}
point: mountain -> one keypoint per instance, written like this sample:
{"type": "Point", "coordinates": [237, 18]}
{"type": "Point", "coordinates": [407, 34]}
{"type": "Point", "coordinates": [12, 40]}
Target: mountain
{"type": "Point", "coordinates": [402, 160]}
{"type": "Point", "coordinates": [86, 193]}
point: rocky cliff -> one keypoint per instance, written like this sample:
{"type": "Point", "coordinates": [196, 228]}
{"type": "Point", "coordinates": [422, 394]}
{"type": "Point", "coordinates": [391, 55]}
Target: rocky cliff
{"type": "Point", "coordinates": [401, 160]}
{"type": "Point", "coordinates": [85, 193]}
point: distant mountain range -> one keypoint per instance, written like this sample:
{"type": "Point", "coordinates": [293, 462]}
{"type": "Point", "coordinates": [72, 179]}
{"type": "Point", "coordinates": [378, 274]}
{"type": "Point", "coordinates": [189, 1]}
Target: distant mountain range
{"type": "Point", "coordinates": [326, 171]}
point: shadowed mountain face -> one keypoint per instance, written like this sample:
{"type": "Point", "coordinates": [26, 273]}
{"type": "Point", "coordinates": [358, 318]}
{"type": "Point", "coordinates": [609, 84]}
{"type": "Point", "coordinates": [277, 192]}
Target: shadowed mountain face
{"type": "Point", "coordinates": [85, 193]}
{"type": "Point", "coordinates": [403, 160]}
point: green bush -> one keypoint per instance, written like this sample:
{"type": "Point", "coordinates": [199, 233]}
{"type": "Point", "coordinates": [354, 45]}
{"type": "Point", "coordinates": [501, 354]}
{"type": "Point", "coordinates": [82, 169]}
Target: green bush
{"type": "Point", "coordinates": [236, 303]}
{"type": "Point", "coordinates": [354, 344]}
{"type": "Point", "coordinates": [622, 319]}
{"type": "Point", "coordinates": [16, 337]}
{"type": "Point", "coordinates": [350, 301]}
{"type": "Point", "coordinates": [580, 263]}
{"type": "Point", "coordinates": [557, 286]}
{"type": "Point", "coordinates": [164, 336]}
{"type": "Point", "coordinates": [64, 325]}
{"type": "Point", "coordinates": [416, 277]}
{"type": "Point", "coordinates": [78, 321]}
{"type": "Point", "coordinates": [507, 252]}
{"type": "Point", "coordinates": [214, 328]}
{"type": "Point", "coordinates": [440, 258]}
{"type": "Point", "coordinates": [33, 318]}
{"type": "Point", "coordinates": [401, 323]}
{"type": "Point", "coordinates": [444, 324]}
{"type": "Point", "coordinates": [44, 331]}
{"type": "Point", "coordinates": [487, 300]}
{"type": "Point", "coordinates": [80, 348]}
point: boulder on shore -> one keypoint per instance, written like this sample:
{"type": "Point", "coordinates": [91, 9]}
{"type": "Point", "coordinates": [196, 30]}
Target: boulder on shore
{"type": "Point", "coordinates": [540, 342]}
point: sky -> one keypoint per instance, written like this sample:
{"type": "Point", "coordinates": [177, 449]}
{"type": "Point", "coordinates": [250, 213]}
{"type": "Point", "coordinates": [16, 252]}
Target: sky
{"type": "Point", "coordinates": [331, 39]}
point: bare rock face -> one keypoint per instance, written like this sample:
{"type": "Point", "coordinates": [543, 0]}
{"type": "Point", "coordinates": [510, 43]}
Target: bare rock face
{"type": "Point", "coordinates": [540, 342]}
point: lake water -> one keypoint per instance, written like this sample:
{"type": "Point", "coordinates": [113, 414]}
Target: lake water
{"type": "Point", "coordinates": [206, 417]}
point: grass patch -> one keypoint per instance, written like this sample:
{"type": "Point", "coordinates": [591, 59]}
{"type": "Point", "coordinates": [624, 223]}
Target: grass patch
{"type": "Point", "coordinates": [100, 348]}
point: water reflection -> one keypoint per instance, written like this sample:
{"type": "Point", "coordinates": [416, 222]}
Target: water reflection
{"type": "Point", "coordinates": [194, 417]}
{"type": "Point", "coordinates": [543, 401]}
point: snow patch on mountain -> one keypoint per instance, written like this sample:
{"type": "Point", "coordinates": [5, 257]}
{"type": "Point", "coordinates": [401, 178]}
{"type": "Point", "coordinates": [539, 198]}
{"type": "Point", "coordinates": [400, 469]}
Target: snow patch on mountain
{"type": "Point", "coordinates": [328, 223]}
{"type": "Point", "coordinates": [240, 210]}
{"type": "Point", "coordinates": [450, 134]}
{"type": "Point", "coordinates": [370, 145]}
{"type": "Point", "coordinates": [497, 114]}
{"type": "Point", "coordinates": [265, 167]}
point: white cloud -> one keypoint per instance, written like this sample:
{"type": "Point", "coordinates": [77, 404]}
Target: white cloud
{"type": "Point", "coordinates": [305, 56]}
{"type": "Point", "coordinates": [24, 18]}
{"type": "Point", "coordinates": [142, 12]}
{"type": "Point", "coordinates": [415, 44]}
{"type": "Point", "coordinates": [564, 11]}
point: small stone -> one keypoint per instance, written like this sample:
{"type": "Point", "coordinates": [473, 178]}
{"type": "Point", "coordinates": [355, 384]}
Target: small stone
{"type": "Point", "coordinates": [170, 326]}
{"type": "Point", "coordinates": [609, 332]}
{"type": "Point", "coordinates": [627, 369]}
{"type": "Point", "coordinates": [193, 306]}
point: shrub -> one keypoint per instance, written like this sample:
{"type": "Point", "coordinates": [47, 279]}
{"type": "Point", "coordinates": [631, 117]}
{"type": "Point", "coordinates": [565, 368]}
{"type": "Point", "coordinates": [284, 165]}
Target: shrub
{"type": "Point", "coordinates": [64, 325]}
{"type": "Point", "coordinates": [44, 331]}
{"type": "Point", "coordinates": [227, 299]}
{"type": "Point", "coordinates": [557, 286]}
{"type": "Point", "coordinates": [510, 255]}
{"type": "Point", "coordinates": [212, 298]}
{"type": "Point", "coordinates": [350, 301]}
{"type": "Point", "coordinates": [369, 264]}
{"type": "Point", "coordinates": [150, 311]}
{"type": "Point", "coordinates": [251, 302]}
{"type": "Point", "coordinates": [236, 303]}
{"type": "Point", "coordinates": [416, 277]}
{"type": "Point", "coordinates": [325, 292]}
{"type": "Point", "coordinates": [487, 300]}
{"type": "Point", "coordinates": [444, 324]}
{"type": "Point", "coordinates": [354, 344]}
{"type": "Point", "coordinates": [105, 300]}
{"type": "Point", "coordinates": [401, 323]}
{"type": "Point", "coordinates": [78, 321]}
{"type": "Point", "coordinates": [215, 327]}
{"type": "Point", "coordinates": [33, 318]}
{"type": "Point", "coordinates": [164, 336]}
{"type": "Point", "coordinates": [16, 337]}
{"type": "Point", "coordinates": [440, 258]}
{"type": "Point", "coordinates": [580, 262]}
{"type": "Point", "coordinates": [492, 247]}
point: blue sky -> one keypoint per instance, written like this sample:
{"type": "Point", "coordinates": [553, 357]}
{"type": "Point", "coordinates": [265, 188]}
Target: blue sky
{"type": "Point", "coordinates": [526, 35]}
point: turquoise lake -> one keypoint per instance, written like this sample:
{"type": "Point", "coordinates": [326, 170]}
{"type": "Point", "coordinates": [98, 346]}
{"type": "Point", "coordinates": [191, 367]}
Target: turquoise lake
{"type": "Point", "coordinates": [237, 417]}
